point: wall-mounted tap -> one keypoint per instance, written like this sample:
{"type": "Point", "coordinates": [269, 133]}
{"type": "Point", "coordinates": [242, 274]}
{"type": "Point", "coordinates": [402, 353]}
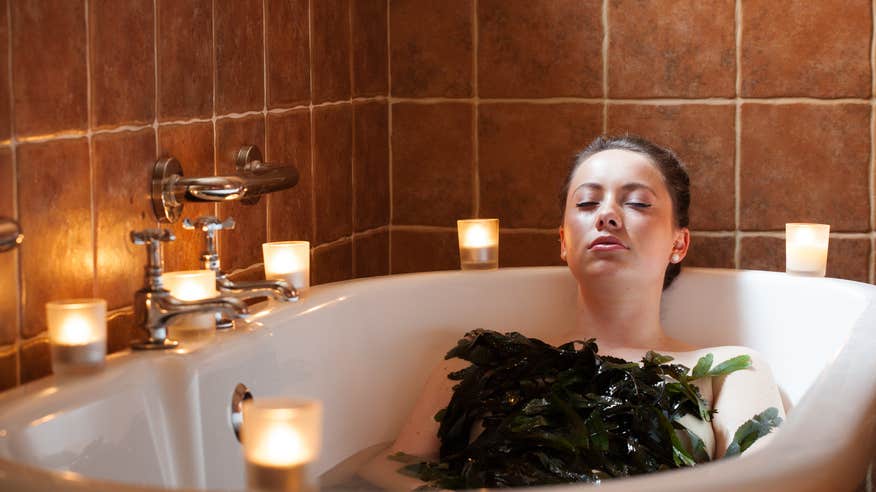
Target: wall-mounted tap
{"type": "Point", "coordinates": [275, 289]}
{"type": "Point", "coordinates": [154, 307]}
{"type": "Point", "coordinates": [10, 234]}
{"type": "Point", "coordinates": [254, 178]}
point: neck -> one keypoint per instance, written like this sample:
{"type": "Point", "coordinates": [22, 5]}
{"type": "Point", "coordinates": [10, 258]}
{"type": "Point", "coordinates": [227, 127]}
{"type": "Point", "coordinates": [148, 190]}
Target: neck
{"type": "Point", "coordinates": [620, 315]}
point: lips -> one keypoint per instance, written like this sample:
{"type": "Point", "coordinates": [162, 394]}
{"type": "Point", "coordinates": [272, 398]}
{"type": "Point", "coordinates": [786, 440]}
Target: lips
{"type": "Point", "coordinates": [607, 243]}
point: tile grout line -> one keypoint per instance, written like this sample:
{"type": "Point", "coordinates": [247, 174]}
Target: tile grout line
{"type": "Point", "coordinates": [89, 99]}
{"type": "Point", "coordinates": [155, 89]}
{"type": "Point", "coordinates": [476, 158]}
{"type": "Point", "coordinates": [214, 77]}
{"type": "Point", "coordinates": [16, 197]}
{"type": "Point", "coordinates": [389, 134]}
{"type": "Point", "coordinates": [605, 43]}
{"type": "Point", "coordinates": [352, 144]}
{"type": "Point", "coordinates": [737, 138]}
{"type": "Point", "coordinates": [312, 124]}
{"type": "Point", "coordinates": [265, 110]}
{"type": "Point", "coordinates": [871, 184]}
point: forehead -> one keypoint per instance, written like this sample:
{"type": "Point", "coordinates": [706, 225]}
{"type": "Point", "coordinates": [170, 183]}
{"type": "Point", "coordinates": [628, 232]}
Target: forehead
{"type": "Point", "coordinates": [615, 168]}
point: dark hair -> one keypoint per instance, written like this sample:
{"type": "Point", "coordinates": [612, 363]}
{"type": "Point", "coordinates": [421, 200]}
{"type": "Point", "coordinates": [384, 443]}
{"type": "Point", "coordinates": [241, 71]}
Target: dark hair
{"type": "Point", "coordinates": [673, 171]}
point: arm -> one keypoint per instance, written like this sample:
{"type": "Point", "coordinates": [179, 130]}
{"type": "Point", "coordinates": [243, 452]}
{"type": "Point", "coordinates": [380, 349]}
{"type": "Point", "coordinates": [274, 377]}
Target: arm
{"type": "Point", "coordinates": [419, 435]}
{"type": "Point", "coordinates": [739, 396]}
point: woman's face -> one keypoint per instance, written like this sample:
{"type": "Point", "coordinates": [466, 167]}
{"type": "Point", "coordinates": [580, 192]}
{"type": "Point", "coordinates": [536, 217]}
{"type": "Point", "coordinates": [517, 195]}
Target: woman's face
{"type": "Point", "coordinates": [619, 221]}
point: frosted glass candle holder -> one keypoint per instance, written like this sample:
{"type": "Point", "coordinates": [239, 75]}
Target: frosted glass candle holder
{"type": "Point", "coordinates": [806, 249]}
{"type": "Point", "coordinates": [478, 244]}
{"type": "Point", "coordinates": [281, 437]}
{"type": "Point", "coordinates": [192, 285]}
{"type": "Point", "coordinates": [77, 334]}
{"type": "Point", "coordinates": [289, 261]}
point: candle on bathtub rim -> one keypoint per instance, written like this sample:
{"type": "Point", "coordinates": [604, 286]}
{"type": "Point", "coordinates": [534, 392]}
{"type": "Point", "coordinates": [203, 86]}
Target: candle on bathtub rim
{"type": "Point", "coordinates": [806, 248]}
{"type": "Point", "coordinates": [281, 437]}
{"type": "Point", "coordinates": [191, 285]}
{"type": "Point", "coordinates": [77, 334]}
{"type": "Point", "coordinates": [289, 261]}
{"type": "Point", "coordinates": [478, 244]}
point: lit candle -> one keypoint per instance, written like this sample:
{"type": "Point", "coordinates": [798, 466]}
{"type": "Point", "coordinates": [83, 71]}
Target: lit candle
{"type": "Point", "coordinates": [77, 333]}
{"type": "Point", "coordinates": [280, 438]}
{"type": "Point", "coordinates": [806, 249]}
{"type": "Point", "coordinates": [192, 285]}
{"type": "Point", "coordinates": [478, 243]}
{"type": "Point", "coordinates": [289, 261]}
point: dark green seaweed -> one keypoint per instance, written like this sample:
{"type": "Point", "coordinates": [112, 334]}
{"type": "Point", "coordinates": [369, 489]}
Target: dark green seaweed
{"type": "Point", "coordinates": [565, 414]}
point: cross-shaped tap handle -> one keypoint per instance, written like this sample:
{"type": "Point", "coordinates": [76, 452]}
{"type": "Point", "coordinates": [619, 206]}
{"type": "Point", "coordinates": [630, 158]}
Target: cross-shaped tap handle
{"type": "Point", "coordinates": [209, 223]}
{"type": "Point", "coordinates": [152, 236]}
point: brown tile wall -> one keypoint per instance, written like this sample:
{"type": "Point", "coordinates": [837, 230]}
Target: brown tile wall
{"type": "Point", "coordinates": [92, 93]}
{"type": "Point", "coordinates": [769, 103]}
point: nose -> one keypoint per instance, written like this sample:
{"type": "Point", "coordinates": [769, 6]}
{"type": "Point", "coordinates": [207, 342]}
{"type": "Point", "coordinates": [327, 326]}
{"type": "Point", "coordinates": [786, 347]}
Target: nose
{"type": "Point", "coordinates": [608, 218]}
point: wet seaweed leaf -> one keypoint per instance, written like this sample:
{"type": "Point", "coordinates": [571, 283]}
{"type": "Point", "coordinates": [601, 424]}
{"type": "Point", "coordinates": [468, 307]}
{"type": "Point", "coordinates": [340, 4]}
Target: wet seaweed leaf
{"type": "Point", "coordinates": [753, 429]}
{"type": "Point", "coordinates": [564, 414]}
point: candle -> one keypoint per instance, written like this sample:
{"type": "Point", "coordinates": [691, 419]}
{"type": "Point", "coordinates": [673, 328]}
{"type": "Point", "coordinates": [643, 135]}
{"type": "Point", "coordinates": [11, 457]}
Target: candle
{"type": "Point", "coordinates": [77, 334]}
{"type": "Point", "coordinates": [192, 285]}
{"type": "Point", "coordinates": [478, 243]}
{"type": "Point", "coordinates": [280, 438]}
{"type": "Point", "coordinates": [806, 249]}
{"type": "Point", "coordinates": [289, 261]}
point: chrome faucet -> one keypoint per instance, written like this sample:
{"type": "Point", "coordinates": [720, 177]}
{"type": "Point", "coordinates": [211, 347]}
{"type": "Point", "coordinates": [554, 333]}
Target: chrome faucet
{"type": "Point", "coordinates": [10, 234]}
{"type": "Point", "coordinates": [155, 307]}
{"type": "Point", "coordinates": [275, 289]}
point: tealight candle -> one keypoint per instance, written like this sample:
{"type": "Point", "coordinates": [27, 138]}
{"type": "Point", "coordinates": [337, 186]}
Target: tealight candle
{"type": "Point", "coordinates": [77, 333]}
{"type": "Point", "coordinates": [192, 285]}
{"type": "Point", "coordinates": [280, 438]}
{"type": "Point", "coordinates": [289, 261]}
{"type": "Point", "coordinates": [806, 249]}
{"type": "Point", "coordinates": [478, 243]}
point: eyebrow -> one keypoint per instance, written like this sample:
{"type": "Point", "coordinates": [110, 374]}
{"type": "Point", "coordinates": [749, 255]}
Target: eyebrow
{"type": "Point", "coordinates": [626, 187]}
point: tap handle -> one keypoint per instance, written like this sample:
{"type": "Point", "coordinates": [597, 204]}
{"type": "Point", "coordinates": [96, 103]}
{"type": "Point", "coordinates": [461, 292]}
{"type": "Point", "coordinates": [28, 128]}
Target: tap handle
{"type": "Point", "coordinates": [153, 238]}
{"type": "Point", "coordinates": [209, 224]}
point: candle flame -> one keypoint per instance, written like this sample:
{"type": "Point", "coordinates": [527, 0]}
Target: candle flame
{"type": "Point", "coordinates": [477, 236]}
{"type": "Point", "coordinates": [281, 445]}
{"type": "Point", "coordinates": [75, 330]}
{"type": "Point", "coordinates": [285, 261]}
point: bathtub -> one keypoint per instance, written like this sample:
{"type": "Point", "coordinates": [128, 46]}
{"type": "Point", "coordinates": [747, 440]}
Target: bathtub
{"type": "Point", "coordinates": [365, 347]}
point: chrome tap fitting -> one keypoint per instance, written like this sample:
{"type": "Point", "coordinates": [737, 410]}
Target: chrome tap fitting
{"type": "Point", "coordinates": [275, 289]}
{"type": "Point", "coordinates": [155, 307]}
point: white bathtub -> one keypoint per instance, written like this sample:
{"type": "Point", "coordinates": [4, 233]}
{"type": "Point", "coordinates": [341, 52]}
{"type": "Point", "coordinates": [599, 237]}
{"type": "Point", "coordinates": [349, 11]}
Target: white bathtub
{"type": "Point", "coordinates": [365, 348]}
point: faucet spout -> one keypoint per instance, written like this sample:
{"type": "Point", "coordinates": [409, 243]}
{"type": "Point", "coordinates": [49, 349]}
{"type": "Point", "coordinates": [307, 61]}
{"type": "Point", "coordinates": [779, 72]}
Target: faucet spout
{"type": "Point", "coordinates": [275, 289]}
{"type": "Point", "coordinates": [229, 306]}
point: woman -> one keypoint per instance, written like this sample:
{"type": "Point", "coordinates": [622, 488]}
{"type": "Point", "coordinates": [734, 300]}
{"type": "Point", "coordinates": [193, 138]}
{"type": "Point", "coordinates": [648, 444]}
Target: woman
{"type": "Point", "coordinates": [624, 235]}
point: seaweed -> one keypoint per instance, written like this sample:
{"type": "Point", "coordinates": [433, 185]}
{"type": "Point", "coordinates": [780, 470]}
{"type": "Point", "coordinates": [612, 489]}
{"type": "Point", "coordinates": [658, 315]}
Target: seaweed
{"type": "Point", "coordinates": [565, 414]}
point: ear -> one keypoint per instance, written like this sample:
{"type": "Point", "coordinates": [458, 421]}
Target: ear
{"type": "Point", "coordinates": [681, 242]}
{"type": "Point", "coordinates": [562, 244]}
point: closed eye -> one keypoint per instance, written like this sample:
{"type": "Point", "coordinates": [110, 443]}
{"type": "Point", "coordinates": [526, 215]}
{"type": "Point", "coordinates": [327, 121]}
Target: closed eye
{"type": "Point", "coordinates": [586, 204]}
{"type": "Point", "coordinates": [639, 204]}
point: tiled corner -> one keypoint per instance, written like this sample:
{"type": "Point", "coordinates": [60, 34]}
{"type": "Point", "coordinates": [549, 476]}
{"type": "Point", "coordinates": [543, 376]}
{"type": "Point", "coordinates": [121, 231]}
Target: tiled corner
{"type": "Point", "coordinates": [287, 49]}
{"type": "Point", "coordinates": [61, 263]}
{"type": "Point", "coordinates": [332, 172]}
{"type": "Point", "coordinates": [185, 59]}
{"type": "Point", "coordinates": [5, 112]}
{"type": "Point", "coordinates": [122, 61]}
{"type": "Point", "coordinates": [370, 52]}
{"type": "Point", "coordinates": [762, 253]}
{"type": "Point", "coordinates": [8, 260]}
{"type": "Point", "coordinates": [526, 151]}
{"type": "Point", "coordinates": [8, 368]}
{"type": "Point", "coordinates": [35, 360]}
{"type": "Point", "coordinates": [849, 258]}
{"type": "Point", "coordinates": [330, 35]}
{"type": "Point", "coordinates": [192, 146]}
{"type": "Point", "coordinates": [290, 212]}
{"type": "Point", "coordinates": [242, 246]}
{"type": "Point", "coordinates": [240, 85]}
{"type": "Point", "coordinates": [703, 137]}
{"type": "Point", "coordinates": [816, 49]}
{"type": "Point", "coordinates": [431, 48]}
{"type": "Point", "coordinates": [48, 66]}
{"type": "Point", "coordinates": [423, 251]}
{"type": "Point", "coordinates": [671, 48]}
{"type": "Point", "coordinates": [805, 163]}
{"type": "Point", "coordinates": [332, 263]}
{"type": "Point", "coordinates": [432, 163]}
{"type": "Point", "coordinates": [539, 49]}
{"type": "Point", "coordinates": [371, 254]}
{"type": "Point", "coordinates": [523, 249]}
{"type": "Point", "coordinates": [370, 165]}
{"type": "Point", "coordinates": [122, 170]}
{"type": "Point", "coordinates": [710, 252]}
